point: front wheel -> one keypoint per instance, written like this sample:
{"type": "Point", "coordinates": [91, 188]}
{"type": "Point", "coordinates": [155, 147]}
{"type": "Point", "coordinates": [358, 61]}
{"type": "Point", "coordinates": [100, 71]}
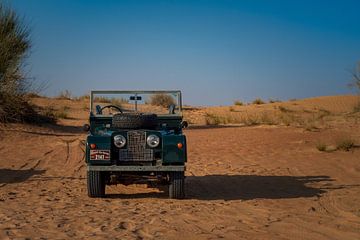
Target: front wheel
{"type": "Point", "coordinates": [96, 183]}
{"type": "Point", "coordinates": [177, 185]}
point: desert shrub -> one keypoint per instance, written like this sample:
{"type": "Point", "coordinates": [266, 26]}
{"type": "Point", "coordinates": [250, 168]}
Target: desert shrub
{"type": "Point", "coordinates": [310, 126]}
{"type": "Point", "coordinates": [258, 101]}
{"type": "Point", "coordinates": [85, 107]}
{"type": "Point", "coordinates": [51, 112]}
{"type": "Point", "coordinates": [247, 119]}
{"type": "Point", "coordinates": [66, 95]}
{"type": "Point", "coordinates": [118, 101]}
{"type": "Point", "coordinates": [356, 77]}
{"type": "Point", "coordinates": [266, 118]}
{"type": "Point", "coordinates": [33, 95]}
{"type": "Point", "coordinates": [321, 146]}
{"type": "Point", "coordinates": [15, 44]}
{"type": "Point", "coordinates": [102, 99]}
{"type": "Point", "coordinates": [62, 114]}
{"type": "Point", "coordinates": [213, 119]}
{"type": "Point", "coordinates": [284, 109]}
{"type": "Point", "coordinates": [231, 109]}
{"type": "Point", "coordinates": [161, 99]}
{"type": "Point", "coordinates": [274, 100]}
{"type": "Point", "coordinates": [14, 108]}
{"type": "Point", "coordinates": [357, 107]}
{"type": "Point", "coordinates": [82, 98]}
{"type": "Point", "coordinates": [238, 103]}
{"type": "Point", "coordinates": [111, 101]}
{"type": "Point", "coordinates": [345, 144]}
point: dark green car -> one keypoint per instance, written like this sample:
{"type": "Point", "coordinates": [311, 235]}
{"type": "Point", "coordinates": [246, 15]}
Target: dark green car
{"type": "Point", "coordinates": [135, 137]}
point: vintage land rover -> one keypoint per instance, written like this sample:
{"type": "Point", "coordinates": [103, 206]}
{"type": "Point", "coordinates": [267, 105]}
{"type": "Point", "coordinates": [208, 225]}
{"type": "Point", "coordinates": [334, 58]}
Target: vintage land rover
{"type": "Point", "coordinates": [135, 136]}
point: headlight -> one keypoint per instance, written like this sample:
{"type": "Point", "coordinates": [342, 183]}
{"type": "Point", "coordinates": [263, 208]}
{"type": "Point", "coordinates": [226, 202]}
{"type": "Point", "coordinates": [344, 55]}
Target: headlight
{"type": "Point", "coordinates": [153, 141]}
{"type": "Point", "coordinates": [119, 141]}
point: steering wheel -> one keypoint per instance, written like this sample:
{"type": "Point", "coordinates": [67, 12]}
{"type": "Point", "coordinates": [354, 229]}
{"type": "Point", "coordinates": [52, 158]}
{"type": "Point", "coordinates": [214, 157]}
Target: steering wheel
{"type": "Point", "coordinates": [110, 106]}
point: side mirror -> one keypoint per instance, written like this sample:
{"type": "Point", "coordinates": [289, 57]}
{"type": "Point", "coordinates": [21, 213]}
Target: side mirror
{"type": "Point", "coordinates": [184, 124]}
{"type": "Point", "coordinates": [86, 127]}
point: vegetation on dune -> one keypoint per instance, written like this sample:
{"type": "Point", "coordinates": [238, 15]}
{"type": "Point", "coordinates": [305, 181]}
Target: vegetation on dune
{"type": "Point", "coordinates": [321, 146]}
{"type": "Point", "coordinates": [345, 144]}
{"type": "Point", "coordinates": [65, 95]}
{"type": "Point", "coordinates": [356, 83]}
{"type": "Point", "coordinates": [258, 101]}
{"type": "Point", "coordinates": [238, 103]}
{"type": "Point", "coordinates": [311, 121]}
{"type": "Point", "coordinates": [162, 100]}
{"type": "Point", "coordinates": [356, 76]}
{"type": "Point", "coordinates": [15, 44]}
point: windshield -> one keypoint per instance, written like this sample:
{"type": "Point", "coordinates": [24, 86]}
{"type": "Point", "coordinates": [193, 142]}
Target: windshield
{"type": "Point", "coordinates": [158, 102]}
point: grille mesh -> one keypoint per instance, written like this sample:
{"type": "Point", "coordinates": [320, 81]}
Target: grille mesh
{"type": "Point", "coordinates": [136, 148]}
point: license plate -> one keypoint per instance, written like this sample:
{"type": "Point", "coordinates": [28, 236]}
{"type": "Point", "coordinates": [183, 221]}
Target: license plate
{"type": "Point", "coordinates": [99, 154]}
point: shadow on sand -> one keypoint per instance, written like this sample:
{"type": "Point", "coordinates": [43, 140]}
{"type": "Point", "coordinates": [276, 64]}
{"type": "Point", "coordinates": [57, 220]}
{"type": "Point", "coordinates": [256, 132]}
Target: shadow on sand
{"type": "Point", "coordinates": [246, 187]}
{"type": "Point", "coordinates": [16, 176]}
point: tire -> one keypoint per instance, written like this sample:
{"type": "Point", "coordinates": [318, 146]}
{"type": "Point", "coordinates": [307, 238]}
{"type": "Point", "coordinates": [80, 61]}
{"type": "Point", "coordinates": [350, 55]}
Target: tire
{"type": "Point", "coordinates": [134, 121]}
{"type": "Point", "coordinates": [177, 185]}
{"type": "Point", "coordinates": [96, 184]}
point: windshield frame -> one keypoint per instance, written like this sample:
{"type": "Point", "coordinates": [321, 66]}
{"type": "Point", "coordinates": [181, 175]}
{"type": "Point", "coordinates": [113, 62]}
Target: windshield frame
{"type": "Point", "coordinates": [178, 92]}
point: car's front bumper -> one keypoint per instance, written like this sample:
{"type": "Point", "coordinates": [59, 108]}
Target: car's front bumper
{"type": "Point", "coordinates": [114, 168]}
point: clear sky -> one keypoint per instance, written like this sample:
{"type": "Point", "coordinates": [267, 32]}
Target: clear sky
{"type": "Point", "coordinates": [214, 51]}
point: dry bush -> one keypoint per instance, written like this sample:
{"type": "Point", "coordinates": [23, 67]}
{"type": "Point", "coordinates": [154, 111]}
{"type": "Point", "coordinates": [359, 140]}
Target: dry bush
{"type": "Point", "coordinates": [65, 95]}
{"type": "Point", "coordinates": [345, 144]}
{"type": "Point", "coordinates": [321, 146]}
{"type": "Point", "coordinates": [102, 99]}
{"type": "Point", "coordinates": [33, 95]}
{"type": "Point", "coordinates": [258, 101]}
{"type": "Point", "coordinates": [357, 107]}
{"type": "Point", "coordinates": [284, 109]}
{"type": "Point", "coordinates": [247, 120]}
{"type": "Point", "coordinates": [238, 103]}
{"type": "Point", "coordinates": [62, 114]}
{"type": "Point", "coordinates": [85, 107]}
{"type": "Point", "coordinates": [161, 99]}
{"type": "Point", "coordinates": [16, 109]}
{"type": "Point", "coordinates": [356, 77]}
{"type": "Point", "coordinates": [85, 97]}
{"type": "Point", "coordinates": [112, 101]}
{"type": "Point", "coordinates": [274, 100]}
{"type": "Point", "coordinates": [51, 112]}
{"type": "Point", "coordinates": [15, 43]}
{"type": "Point", "coordinates": [213, 119]}
{"type": "Point", "coordinates": [118, 101]}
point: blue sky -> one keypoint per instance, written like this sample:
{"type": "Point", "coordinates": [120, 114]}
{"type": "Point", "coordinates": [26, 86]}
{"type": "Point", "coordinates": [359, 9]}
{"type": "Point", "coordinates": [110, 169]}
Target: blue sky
{"type": "Point", "coordinates": [214, 51]}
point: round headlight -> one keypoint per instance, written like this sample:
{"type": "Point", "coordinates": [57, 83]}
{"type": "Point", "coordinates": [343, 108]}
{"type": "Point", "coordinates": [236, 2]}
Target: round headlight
{"type": "Point", "coordinates": [119, 141]}
{"type": "Point", "coordinates": [153, 141]}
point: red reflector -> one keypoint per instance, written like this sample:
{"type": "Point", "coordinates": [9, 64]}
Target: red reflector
{"type": "Point", "coordinates": [179, 145]}
{"type": "Point", "coordinates": [92, 145]}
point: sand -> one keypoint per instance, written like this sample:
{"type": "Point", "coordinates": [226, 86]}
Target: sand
{"type": "Point", "coordinates": [263, 182]}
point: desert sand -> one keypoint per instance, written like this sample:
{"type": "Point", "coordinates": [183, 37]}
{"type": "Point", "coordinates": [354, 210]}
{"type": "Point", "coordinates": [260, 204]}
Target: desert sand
{"type": "Point", "coordinates": [243, 182]}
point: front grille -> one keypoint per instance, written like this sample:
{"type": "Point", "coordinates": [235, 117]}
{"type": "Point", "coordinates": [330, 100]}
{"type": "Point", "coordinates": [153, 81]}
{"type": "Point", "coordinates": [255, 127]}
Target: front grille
{"type": "Point", "coordinates": [136, 148]}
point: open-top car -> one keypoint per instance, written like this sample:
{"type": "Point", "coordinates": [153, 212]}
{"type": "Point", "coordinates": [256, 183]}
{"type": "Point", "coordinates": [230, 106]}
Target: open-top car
{"type": "Point", "coordinates": [135, 136]}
